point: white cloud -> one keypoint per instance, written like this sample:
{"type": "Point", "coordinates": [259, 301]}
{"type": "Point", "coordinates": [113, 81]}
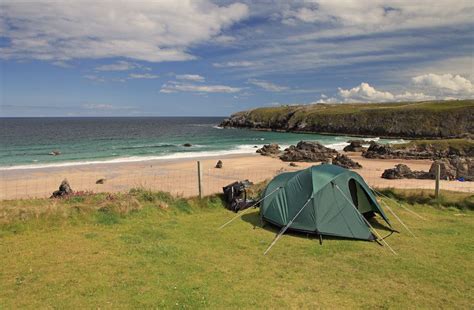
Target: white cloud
{"type": "Point", "coordinates": [143, 76]}
{"type": "Point", "coordinates": [190, 77]}
{"type": "Point", "coordinates": [231, 64]}
{"type": "Point", "coordinates": [348, 18]}
{"type": "Point", "coordinates": [119, 66]}
{"type": "Point", "coordinates": [144, 30]}
{"type": "Point", "coordinates": [173, 87]}
{"type": "Point", "coordinates": [366, 93]}
{"type": "Point", "coordinates": [268, 85]}
{"type": "Point", "coordinates": [445, 84]}
{"type": "Point", "coordinates": [94, 78]}
{"type": "Point", "coordinates": [104, 107]}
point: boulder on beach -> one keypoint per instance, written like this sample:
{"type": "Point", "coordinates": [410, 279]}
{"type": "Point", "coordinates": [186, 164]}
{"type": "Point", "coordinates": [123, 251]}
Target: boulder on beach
{"type": "Point", "coordinates": [402, 171]}
{"type": "Point", "coordinates": [100, 181]}
{"type": "Point", "coordinates": [355, 146]}
{"type": "Point", "coordinates": [187, 145]}
{"type": "Point", "coordinates": [453, 168]}
{"type": "Point", "coordinates": [344, 161]}
{"type": "Point", "coordinates": [293, 165]}
{"type": "Point", "coordinates": [219, 164]}
{"type": "Point", "coordinates": [311, 151]}
{"type": "Point", "coordinates": [269, 150]}
{"type": "Point", "coordinates": [64, 190]}
{"type": "Point", "coordinates": [377, 150]}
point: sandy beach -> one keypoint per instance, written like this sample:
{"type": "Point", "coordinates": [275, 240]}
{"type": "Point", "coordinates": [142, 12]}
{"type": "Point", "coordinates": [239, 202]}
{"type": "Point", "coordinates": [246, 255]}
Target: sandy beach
{"type": "Point", "coordinates": [180, 176]}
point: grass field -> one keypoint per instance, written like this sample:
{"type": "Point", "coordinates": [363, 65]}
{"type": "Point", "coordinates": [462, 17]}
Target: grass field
{"type": "Point", "coordinates": [151, 250]}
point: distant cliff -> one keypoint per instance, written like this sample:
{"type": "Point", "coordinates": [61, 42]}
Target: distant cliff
{"type": "Point", "coordinates": [433, 119]}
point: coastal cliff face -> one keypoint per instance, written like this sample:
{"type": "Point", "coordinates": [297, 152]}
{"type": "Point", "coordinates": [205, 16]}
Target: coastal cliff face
{"type": "Point", "coordinates": [436, 119]}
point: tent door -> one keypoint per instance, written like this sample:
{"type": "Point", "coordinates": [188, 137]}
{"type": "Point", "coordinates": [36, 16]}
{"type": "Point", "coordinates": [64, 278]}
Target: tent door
{"type": "Point", "coordinates": [360, 198]}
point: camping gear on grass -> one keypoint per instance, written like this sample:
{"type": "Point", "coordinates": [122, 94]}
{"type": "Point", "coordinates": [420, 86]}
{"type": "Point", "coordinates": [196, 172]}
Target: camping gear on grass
{"type": "Point", "coordinates": [235, 195]}
{"type": "Point", "coordinates": [325, 200]}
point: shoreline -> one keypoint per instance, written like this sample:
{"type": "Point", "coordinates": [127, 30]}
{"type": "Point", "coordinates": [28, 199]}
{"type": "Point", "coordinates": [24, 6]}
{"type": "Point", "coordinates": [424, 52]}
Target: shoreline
{"type": "Point", "coordinates": [179, 176]}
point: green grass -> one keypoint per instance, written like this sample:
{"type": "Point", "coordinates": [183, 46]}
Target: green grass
{"type": "Point", "coordinates": [150, 250]}
{"type": "Point", "coordinates": [452, 199]}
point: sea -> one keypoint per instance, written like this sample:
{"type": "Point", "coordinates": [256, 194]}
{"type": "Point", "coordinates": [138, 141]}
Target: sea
{"type": "Point", "coordinates": [27, 143]}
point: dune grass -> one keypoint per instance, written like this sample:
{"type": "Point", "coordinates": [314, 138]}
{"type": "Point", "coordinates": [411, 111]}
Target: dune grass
{"type": "Point", "coordinates": [145, 249]}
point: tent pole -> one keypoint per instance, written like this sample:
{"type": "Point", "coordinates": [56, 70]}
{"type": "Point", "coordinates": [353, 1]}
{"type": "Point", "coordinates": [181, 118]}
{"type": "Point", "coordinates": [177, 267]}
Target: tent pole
{"type": "Point", "coordinates": [411, 211]}
{"type": "Point", "coordinates": [320, 239]}
{"type": "Point", "coordinates": [282, 231]}
{"type": "Point", "coordinates": [401, 222]}
{"type": "Point", "coordinates": [367, 222]}
{"type": "Point", "coordinates": [248, 209]}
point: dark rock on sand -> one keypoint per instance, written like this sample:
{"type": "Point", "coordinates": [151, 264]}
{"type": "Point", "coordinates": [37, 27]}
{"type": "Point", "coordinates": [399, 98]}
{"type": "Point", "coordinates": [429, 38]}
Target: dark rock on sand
{"type": "Point", "coordinates": [293, 165]}
{"type": "Point", "coordinates": [100, 181]}
{"type": "Point", "coordinates": [346, 162]}
{"type": "Point", "coordinates": [219, 164]}
{"type": "Point", "coordinates": [355, 146]}
{"type": "Point", "coordinates": [64, 190]}
{"type": "Point", "coordinates": [402, 171]}
{"type": "Point", "coordinates": [308, 151]}
{"type": "Point", "coordinates": [454, 168]}
{"type": "Point", "coordinates": [269, 150]}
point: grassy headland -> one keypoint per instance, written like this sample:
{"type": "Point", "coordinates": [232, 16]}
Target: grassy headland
{"type": "Point", "coordinates": [145, 249]}
{"type": "Point", "coordinates": [429, 119]}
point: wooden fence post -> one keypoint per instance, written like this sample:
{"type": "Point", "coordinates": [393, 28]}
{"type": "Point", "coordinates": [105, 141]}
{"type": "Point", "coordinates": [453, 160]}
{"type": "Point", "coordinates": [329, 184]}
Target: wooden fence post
{"type": "Point", "coordinates": [438, 173]}
{"type": "Point", "coordinates": [199, 179]}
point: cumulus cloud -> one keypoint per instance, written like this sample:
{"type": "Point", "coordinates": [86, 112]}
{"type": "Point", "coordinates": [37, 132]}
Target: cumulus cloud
{"type": "Point", "coordinates": [190, 77]}
{"type": "Point", "coordinates": [231, 64]}
{"type": "Point", "coordinates": [367, 93]}
{"type": "Point", "coordinates": [173, 87]}
{"type": "Point", "coordinates": [268, 85]}
{"type": "Point", "coordinates": [143, 30]}
{"type": "Point", "coordinates": [445, 84]}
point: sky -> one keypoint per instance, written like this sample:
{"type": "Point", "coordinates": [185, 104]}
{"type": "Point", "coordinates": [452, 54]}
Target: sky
{"type": "Point", "coordinates": [213, 58]}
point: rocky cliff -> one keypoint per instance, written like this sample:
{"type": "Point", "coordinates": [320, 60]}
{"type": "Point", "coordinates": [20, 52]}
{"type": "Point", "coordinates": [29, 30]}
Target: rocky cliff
{"type": "Point", "coordinates": [434, 119]}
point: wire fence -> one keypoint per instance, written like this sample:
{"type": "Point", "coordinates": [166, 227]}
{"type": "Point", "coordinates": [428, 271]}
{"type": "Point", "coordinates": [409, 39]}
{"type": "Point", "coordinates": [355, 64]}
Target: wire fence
{"type": "Point", "coordinates": [180, 182]}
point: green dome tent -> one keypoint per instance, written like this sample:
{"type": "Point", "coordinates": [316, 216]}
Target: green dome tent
{"type": "Point", "coordinates": [324, 199]}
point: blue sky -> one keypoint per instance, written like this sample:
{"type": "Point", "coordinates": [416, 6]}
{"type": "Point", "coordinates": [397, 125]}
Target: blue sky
{"type": "Point", "coordinates": [200, 58]}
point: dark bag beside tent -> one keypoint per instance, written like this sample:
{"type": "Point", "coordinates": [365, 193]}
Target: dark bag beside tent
{"type": "Point", "coordinates": [235, 195]}
{"type": "Point", "coordinates": [324, 199]}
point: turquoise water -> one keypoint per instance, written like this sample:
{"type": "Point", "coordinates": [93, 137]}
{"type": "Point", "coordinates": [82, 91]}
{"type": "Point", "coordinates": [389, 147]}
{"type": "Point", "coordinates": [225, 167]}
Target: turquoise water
{"type": "Point", "coordinates": [27, 142]}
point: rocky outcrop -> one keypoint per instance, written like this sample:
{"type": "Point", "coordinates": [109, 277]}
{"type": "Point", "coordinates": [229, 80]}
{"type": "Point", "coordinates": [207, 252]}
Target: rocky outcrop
{"type": "Point", "coordinates": [355, 146]}
{"type": "Point", "coordinates": [346, 162]}
{"type": "Point", "coordinates": [386, 151]}
{"type": "Point", "coordinates": [64, 190]}
{"type": "Point", "coordinates": [308, 151]}
{"type": "Point", "coordinates": [436, 119]}
{"type": "Point", "coordinates": [270, 150]}
{"type": "Point", "coordinates": [454, 168]}
{"type": "Point", "coordinates": [450, 169]}
{"type": "Point", "coordinates": [402, 171]}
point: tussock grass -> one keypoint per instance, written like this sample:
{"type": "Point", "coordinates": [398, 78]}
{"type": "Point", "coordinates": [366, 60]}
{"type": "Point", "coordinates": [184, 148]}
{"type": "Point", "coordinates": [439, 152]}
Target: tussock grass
{"type": "Point", "coordinates": [125, 251]}
{"type": "Point", "coordinates": [452, 199]}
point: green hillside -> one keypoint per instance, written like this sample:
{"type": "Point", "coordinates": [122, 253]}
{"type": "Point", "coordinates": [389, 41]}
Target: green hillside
{"type": "Point", "coordinates": [430, 119]}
